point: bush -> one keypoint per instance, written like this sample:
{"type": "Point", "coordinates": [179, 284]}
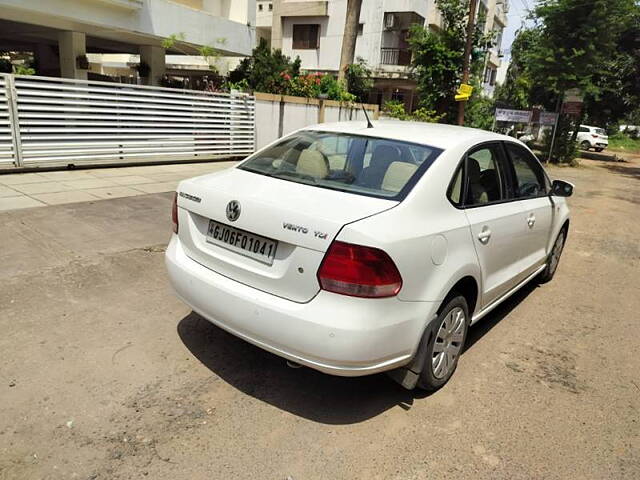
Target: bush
{"type": "Point", "coordinates": [395, 109]}
{"type": "Point", "coordinates": [270, 71]}
{"type": "Point", "coordinates": [627, 142]}
{"type": "Point", "coordinates": [265, 70]}
{"type": "Point", "coordinates": [359, 80]}
{"type": "Point", "coordinates": [479, 111]}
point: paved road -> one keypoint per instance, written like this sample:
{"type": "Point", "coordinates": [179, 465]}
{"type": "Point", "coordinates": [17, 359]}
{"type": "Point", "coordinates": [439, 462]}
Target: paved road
{"type": "Point", "coordinates": [105, 375]}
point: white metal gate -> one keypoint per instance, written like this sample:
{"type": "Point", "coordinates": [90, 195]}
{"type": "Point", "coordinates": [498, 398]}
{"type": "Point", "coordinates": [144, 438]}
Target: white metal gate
{"type": "Point", "coordinates": [66, 121]}
{"type": "Point", "coordinates": [7, 141]}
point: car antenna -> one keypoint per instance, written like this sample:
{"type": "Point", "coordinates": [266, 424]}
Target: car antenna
{"type": "Point", "coordinates": [369, 124]}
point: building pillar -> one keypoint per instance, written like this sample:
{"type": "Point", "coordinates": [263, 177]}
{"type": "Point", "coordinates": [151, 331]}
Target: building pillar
{"type": "Point", "coordinates": [153, 56]}
{"type": "Point", "coordinates": [71, 45]}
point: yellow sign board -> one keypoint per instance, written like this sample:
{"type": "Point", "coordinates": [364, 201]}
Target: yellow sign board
{"type": "Point", "coordinates": [464, 92]}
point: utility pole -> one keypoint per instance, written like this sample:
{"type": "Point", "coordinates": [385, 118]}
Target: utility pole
{"type": "Point", "coordinates": [350, 36]}
{"type": "Point", "coordinates": [467, 55]}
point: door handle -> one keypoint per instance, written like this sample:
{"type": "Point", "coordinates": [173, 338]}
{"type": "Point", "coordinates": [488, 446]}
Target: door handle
{"type": "Point", "coordinates": [531, 221]}
{"type": "Point", "coordinates": [484, 235]}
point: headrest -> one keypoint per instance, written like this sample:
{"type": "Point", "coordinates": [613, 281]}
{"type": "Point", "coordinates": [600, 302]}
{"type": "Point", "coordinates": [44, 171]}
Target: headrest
{"type": "Point", "coordinates": [473, 169]}
{"type": "Point", "coordinates": [313, 163]}
{"type": "Point", "coordinates": [397, 176]}
{"type": "Point", "coordinates": [383, 156]}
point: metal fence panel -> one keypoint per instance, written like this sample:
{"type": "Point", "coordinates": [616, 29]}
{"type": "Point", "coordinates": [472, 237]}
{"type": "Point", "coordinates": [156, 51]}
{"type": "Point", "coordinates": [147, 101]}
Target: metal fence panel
{"type": "Point", "coordinates": [7, 141]}
{"type": "Point", "coordinates": [66, 121]}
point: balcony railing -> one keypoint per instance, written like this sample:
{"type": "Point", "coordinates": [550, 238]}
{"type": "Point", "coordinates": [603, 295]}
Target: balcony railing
{"type": "Point", "coordinates": [395, 56]}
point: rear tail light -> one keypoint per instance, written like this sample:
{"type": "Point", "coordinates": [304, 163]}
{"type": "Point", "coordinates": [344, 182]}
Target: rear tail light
{"type": "Point", "coordinates": [174, 212]}
{"type": "Point", "coordinates": [359, 272]}
{"type": "Point", "coordinates": [594, 136]}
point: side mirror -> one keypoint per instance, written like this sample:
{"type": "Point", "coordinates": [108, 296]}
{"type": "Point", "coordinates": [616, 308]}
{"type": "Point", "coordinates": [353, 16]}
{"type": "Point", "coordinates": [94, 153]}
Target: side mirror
{"type": "Point", "coordinates": [560, 188]}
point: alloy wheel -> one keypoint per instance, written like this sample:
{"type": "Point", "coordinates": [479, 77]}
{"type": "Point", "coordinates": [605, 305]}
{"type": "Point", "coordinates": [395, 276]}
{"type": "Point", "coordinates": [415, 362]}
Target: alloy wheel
{"type": "Point", "coordinates": [555, 253]}
{"type": "Point", "coordinates": [448, 342]}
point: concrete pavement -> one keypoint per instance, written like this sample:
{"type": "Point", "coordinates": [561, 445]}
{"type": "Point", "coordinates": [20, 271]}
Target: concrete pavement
{"type": "Point", "coordinates": [28, 190]}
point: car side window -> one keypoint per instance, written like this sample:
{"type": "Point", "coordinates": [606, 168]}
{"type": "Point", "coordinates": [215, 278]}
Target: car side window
{"type": "Point", "coordinates": [455, 189]}
{"type": "Point", "coordinates": [583, 129]}
{"type": "Point", "coordinates": [484, 177]}
{"type": "Point", "coordinates": [529, 177]}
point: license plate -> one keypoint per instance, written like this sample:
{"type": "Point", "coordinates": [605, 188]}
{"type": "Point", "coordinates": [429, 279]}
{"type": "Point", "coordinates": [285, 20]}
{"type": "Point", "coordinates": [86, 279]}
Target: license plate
{"type": "Point", "coordinates": [240, 241]}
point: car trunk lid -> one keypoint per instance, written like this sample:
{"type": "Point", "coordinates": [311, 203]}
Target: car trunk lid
{"type": "Point", "coordinates": [302, 219]}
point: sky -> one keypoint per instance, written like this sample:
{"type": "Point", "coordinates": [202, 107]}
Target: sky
{"type": "Point", "coordinates": [517, 16]}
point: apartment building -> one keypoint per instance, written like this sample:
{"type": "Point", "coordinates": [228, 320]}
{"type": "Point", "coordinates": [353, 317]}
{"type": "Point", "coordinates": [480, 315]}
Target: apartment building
{"type": "Point", "coordinates": [66, 35]}
{"type": "Point", "coordinates": [313, 30]}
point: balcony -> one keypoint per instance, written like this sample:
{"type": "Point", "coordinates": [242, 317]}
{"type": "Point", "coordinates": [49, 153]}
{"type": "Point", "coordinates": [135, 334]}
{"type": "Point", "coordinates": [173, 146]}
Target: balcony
{"type": "Point", "coordinates": [394, 43]}
{"type": "Point", "coordinates": [395, 56]}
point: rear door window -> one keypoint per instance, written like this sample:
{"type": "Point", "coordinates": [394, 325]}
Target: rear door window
{"type": "Point", "coordinates": [529, 178]}
{"type": "Point", "coordinates": [485, 180]}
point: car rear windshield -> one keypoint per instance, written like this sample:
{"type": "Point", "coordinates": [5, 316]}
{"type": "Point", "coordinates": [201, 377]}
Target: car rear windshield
{"type": "Point", "coordinates": [600, 131]}
{"type": "Point", "coordinates": [376, 167]}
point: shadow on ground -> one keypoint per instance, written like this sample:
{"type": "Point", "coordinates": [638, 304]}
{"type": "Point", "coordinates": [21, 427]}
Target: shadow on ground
{"type": "Point", "coordinates": [303, 391]}
{"type": "Point", "coordinates": [627, 171]}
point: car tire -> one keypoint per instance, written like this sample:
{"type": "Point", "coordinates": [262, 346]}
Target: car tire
{"type": "Point", "coordinates": [446, 343]}
{"type": "Point", "coordinates": [554, 258]}
{"type": "Point", "coordinates": [585, 145]}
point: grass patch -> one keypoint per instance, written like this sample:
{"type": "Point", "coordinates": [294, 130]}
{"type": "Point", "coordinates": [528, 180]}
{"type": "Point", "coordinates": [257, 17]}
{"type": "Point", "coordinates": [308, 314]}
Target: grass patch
{"type": "Point", "coordinates": [622, 142]}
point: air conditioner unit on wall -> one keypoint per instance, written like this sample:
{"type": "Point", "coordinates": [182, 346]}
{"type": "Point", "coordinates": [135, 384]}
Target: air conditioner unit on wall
{"type": "Point", "coordinates": [389, 21]}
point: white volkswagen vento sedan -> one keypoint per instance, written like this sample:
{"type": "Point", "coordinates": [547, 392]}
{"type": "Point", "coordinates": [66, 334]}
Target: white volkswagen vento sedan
{"type": "Point", "coordinates": [356, 250]}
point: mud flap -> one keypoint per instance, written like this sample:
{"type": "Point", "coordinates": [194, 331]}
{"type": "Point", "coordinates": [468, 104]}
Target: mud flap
{"type": "Point", "coordinates": [409, 375]}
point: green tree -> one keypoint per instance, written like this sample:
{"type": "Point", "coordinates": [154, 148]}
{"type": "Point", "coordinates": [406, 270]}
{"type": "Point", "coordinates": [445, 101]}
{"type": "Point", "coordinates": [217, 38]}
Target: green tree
{"type": "Point", "coordinates": [576, 42]}
{"type": "Point", "coordinates": [359, 80]}
{"type": "Point", "coordinates": [574, 45]}
{"type": "Point", "coordinates": [618, 80]}
{"type": "Point", "coordinates": [517, 90]}
{"type": "Point", "coordinates": [480, 110]}
{"type": "Point", "coordinates": [437, 56]}
{"type": "Point", "coordinates": [266, 70]}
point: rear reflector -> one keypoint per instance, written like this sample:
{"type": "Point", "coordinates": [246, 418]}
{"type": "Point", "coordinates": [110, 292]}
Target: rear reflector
{"type": "Point", "coordinates": [174, 213]}
{"type": "Point", "coordinates": [359, 272]}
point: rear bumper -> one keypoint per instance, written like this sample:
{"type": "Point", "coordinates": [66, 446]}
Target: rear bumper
{"type": "Point", "coordinates": [332, 333]}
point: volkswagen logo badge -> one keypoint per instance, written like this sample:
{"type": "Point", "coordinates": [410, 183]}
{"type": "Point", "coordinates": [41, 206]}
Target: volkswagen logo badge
{"type": "Point", "coordinates": [233, 210]}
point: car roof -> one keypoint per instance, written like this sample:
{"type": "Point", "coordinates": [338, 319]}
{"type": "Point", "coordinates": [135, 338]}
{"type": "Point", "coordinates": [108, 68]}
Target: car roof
{"type": "Point", "coordinates": [432, 134]}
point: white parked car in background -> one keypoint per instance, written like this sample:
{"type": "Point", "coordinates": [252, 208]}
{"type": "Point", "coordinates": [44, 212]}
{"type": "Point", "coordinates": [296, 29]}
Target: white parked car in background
{"type": "Point", "coordinates": [356, 250]}
{"type": "Point", "coordinates": [592, 137]}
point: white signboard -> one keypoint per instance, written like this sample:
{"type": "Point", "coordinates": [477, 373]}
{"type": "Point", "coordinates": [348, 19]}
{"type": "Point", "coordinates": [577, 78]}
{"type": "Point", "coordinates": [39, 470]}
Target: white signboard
{"type": "Point", "coordinates": [548, 118]}
{"type": "Point", "coordinates": [515, 116]}
{"type": "Point", "coordinates": [573, 95]}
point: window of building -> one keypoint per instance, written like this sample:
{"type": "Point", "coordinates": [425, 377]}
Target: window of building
{"type": "Point", "coordinates": [360, 28]}
{"type": "Point", "coordinates": [482, 17]}
{"type": "Point", "coordinates": [259, 7]}
{"type": "Point", "coordinates": [306, 37]}
{"type": "Point", "coordinates": [497, 42]}
{"type": "Point", "coordinates": [492, 78]}
{"type": "Point", "coordinates": [270, 7]}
